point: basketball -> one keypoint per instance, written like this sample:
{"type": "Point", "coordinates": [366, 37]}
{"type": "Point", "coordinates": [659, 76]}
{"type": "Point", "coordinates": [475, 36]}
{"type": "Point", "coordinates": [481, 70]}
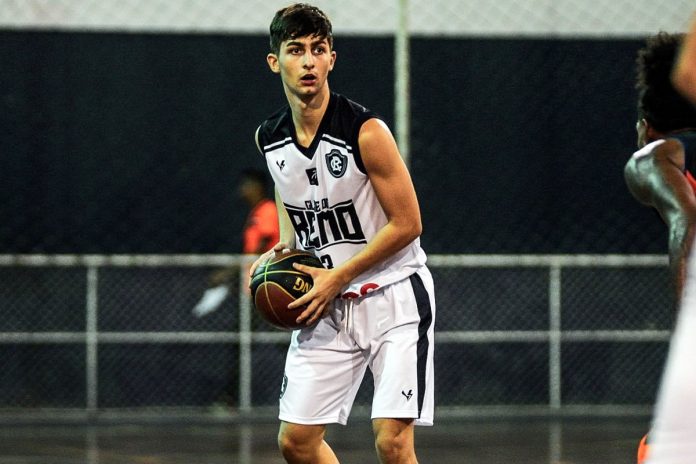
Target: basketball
{"type": "Point", "coordinates": [275, 284]}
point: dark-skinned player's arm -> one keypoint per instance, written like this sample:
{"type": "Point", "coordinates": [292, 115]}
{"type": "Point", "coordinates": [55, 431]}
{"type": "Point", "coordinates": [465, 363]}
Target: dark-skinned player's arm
{"type": "Point", "coordinates": [655, 177]}
{"type": "Point", "coordinates": [287, 232]}
{"type": "Point", "coordinates": [394, 189]}
{"type": "Point", "coordinates": [684, 73]}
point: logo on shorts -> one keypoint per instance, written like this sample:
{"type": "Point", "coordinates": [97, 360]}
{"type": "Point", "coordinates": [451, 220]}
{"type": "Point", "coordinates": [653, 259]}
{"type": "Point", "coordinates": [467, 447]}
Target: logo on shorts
{"type": "Point", "coordinates": [337, 163]}
{"type": "Point", "coordinates": [284, 385]}
{"type": "Point", "coordinates": [407, 395]}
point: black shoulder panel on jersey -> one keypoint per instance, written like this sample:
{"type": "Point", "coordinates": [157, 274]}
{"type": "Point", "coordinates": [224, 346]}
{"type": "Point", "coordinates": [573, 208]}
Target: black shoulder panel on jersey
{"type": "Point", "coordinates": [350, 116]}
{"type": "Point", "coordinates": [275, 128]}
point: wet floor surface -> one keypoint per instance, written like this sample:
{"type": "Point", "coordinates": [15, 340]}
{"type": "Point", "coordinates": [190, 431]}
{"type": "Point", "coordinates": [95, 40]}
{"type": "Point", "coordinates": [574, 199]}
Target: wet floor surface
{"type": "Point", "coordinates": [485, 441]}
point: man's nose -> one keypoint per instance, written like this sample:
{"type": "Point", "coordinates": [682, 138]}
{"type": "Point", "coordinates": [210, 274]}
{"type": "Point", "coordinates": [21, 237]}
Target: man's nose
{"type": "Point", "coordinates": [308, 60]}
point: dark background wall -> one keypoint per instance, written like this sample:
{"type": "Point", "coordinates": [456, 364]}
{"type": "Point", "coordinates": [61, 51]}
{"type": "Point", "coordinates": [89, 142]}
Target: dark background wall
{"type": "Point", "coordinates": [132, 143]}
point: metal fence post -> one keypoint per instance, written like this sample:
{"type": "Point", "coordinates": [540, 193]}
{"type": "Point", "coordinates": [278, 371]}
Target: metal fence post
{"type": "Point", "coordinates": [91, 341]}
{"type": "Point", "coordinates": [245, 340]}
{"type": "Point", "coordinates": [555, 336]}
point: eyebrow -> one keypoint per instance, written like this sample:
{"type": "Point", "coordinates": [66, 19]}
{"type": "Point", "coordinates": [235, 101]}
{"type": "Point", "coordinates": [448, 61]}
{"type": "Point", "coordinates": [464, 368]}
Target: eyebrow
{"type": "Point", "coordinates": [313, 43]}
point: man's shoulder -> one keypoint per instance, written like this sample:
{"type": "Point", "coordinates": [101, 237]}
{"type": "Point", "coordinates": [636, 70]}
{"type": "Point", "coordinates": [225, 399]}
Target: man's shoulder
{"type": "Point", "coordinates": [275, 127]}
{"type": "Point", "coordinates": [346, 105]}
{"type": "Point", "coordinates": [648, 149]}
{"type": "Point", "coordinates": [348, 117]}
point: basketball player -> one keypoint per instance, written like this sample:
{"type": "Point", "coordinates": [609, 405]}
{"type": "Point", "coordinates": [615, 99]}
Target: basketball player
{"type": "Point", "coordinates": [684, 74]}
{"type": "Point", "coordinates": [344, 193]}
{"type": "Point", "coordinates": [661, 174]}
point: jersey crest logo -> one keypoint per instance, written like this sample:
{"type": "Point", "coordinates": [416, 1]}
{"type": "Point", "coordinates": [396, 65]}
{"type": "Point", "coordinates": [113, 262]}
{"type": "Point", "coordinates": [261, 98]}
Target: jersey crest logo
{"type": "Point", "coordinates": [337, 163]}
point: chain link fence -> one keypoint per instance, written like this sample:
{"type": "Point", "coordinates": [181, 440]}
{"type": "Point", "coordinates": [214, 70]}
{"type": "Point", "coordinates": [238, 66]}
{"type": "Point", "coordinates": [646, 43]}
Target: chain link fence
{"type": "Point", "coordinates": [98, 334]}
{"type": "Point", "coordinates": [127, 123]}
{"type": "Point", "coordinates": [437, 17]}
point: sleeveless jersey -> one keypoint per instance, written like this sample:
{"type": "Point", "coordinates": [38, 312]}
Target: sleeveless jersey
{"type": "Point", "coordinates": [328, 195]}
{"type": "Point", "coordinates": [688, 140]}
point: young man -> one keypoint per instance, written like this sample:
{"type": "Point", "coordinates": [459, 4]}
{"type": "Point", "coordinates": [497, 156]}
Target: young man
{"type": "Point", "coordinates": [661, 174]}
{"type": "Point", "coordinates": [344, 193]}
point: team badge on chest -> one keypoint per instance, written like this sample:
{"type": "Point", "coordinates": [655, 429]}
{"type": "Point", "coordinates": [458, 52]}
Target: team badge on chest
{"type": "Point", "coordinates": [337, 163]}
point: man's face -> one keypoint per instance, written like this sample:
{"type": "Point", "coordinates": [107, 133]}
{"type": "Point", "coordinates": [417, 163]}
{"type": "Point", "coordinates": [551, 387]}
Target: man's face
{"type": "Point", "coordinates": [304, 64]}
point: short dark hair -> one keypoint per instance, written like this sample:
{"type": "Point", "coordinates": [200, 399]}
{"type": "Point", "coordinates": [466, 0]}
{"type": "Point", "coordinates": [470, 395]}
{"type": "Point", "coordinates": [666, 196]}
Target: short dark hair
{"type": "Point", "coordinates": [659, 102]}
{"type": "Point", "coordinates": [299, 20]}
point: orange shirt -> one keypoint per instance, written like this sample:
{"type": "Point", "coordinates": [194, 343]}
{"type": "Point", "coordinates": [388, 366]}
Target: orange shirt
{"type": "Point", "coordinates": [691, 181]}
{"type": "Point", "coordinates": [261, 231]}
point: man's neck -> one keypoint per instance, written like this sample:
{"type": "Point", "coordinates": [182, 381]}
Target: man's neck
{"type": "Point", "coordinates": [307, 114]}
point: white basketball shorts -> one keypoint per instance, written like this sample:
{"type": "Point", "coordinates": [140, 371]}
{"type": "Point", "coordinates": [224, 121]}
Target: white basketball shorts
{"type": "Point", "coordinates": [391, 331]}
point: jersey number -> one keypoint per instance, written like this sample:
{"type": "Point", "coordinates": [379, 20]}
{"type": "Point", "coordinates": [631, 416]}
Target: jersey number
{"type": "Point", "coordinates": [328, 262]}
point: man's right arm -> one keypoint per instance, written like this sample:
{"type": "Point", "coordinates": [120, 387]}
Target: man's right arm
{"type": "Point", "coordinates": [655, 177]}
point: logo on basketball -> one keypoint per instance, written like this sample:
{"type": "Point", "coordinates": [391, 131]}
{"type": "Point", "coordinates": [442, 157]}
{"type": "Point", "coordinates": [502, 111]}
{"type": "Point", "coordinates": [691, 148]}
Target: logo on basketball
{"type": "Point", "coordinates": [301, 285]}
{"type": "Point", "coordinates": [337, 163]}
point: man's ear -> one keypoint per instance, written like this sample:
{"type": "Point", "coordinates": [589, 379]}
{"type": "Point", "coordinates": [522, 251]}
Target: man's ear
{"type": "Point", "coordinates": [272, 60]}
{"type": "Point", "coordinates": [333, 60]}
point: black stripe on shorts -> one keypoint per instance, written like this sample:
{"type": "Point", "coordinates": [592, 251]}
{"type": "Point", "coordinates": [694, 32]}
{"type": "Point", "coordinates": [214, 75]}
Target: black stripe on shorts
{"type": "Point", "coordinates": [426, 319]}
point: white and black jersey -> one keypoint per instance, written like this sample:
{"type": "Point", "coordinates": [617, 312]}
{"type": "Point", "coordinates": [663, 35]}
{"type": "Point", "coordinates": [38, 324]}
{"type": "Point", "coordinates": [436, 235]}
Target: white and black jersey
{"type": "Point", "coordinates": [328, 195]}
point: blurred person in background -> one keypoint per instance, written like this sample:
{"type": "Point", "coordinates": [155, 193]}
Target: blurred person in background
{"type": "Point", "coordinates": [260, 233]}
{"type": "Point", "coordinates": [662, 174]}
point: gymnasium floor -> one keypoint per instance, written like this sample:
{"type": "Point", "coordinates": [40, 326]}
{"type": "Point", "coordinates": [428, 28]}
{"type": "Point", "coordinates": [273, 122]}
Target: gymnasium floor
{"type": "Point", "coordinates": [484, 441]}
